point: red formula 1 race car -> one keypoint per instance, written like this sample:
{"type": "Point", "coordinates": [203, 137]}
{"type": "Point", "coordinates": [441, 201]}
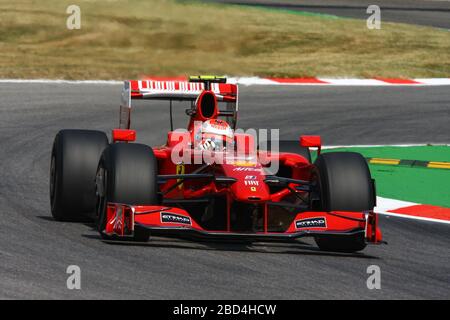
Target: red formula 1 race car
{"type": "Point", "coordinates": [210, 181]}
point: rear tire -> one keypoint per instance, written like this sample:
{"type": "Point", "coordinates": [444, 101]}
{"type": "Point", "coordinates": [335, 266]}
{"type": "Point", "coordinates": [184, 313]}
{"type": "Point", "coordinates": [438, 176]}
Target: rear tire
{"type": "Point", "coordinates": [128, 174]}
{"type": "Point", "coordinates": [74, 162]}
{"type": "Point", "coordinates": [345, 184]}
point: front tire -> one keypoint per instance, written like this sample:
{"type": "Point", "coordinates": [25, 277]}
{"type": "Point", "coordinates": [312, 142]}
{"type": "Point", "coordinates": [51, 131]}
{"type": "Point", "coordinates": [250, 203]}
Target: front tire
{"type": "Point", "coordinates": [345, 184]}
{"type": "Point", "coordinates": [127, 173]}
{"type": "Point", "coordinates": [74, 160]}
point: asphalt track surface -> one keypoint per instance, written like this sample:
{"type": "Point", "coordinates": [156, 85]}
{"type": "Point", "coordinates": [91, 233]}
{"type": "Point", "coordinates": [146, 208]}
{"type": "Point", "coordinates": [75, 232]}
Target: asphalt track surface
{"type": "Point", "coordinates": [35, 250]}
{"type": "Point", "coordinates": [435, 13]}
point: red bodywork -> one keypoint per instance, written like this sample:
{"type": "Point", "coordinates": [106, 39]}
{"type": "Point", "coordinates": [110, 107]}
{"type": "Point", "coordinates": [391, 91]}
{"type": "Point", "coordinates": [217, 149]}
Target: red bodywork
{"type": "Point", "coordinates": [278, 209]}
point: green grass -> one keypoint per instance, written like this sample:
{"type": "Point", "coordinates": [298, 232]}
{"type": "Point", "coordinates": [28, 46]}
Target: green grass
{"type": "Point", "coordinates": [426, 186]}
{"type": "Point", "coordinates": [421, 185]}
{"type": "Point", "coordinates": [127, 39]}
{"type": "Point", "coordinates": [422, 153]}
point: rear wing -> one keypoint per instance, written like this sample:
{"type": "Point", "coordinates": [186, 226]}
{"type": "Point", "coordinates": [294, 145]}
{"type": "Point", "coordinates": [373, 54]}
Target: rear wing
{"type": "Point", "coordinates": [178, 90]}
{"type": "Point", "coordinates": [172, 90]}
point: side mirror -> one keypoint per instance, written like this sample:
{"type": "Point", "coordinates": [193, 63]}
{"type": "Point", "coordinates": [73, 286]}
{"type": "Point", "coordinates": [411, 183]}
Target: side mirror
{"type": "Point", "coordinates": [311, 142]}
{"type": "Point", "coordinates": [124, 135]}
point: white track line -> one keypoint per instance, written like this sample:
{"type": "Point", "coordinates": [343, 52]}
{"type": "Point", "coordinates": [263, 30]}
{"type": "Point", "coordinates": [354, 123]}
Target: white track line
{"type": "Point", "coordinates": [354, 82]}
{"type": "Point", "coordinates": [434, 81]}
{"type": "Point", "coordinates": [412, 217]}
{"type": "Point", "coordinates": [384, 205]}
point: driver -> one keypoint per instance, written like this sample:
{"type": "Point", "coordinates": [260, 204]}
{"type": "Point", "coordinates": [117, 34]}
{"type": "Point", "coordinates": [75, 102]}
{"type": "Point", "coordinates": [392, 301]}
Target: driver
{"type": "Point", "coordinates": [215, 135]}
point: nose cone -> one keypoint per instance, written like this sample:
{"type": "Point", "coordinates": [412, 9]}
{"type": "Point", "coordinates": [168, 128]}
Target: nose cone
{"type": "Point", "coordinates": [250, 185]}
{"type": "Point", "coordinates": [251, 190]}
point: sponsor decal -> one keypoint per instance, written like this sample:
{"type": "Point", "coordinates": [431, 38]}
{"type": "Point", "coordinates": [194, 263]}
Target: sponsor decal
{"type": "Point", "coordinates": [319, 222]}
{"type": "Point", "coordinates": [250, 177]}
{"type": "Point", "coordinates": [251, 183]}
{"type": "Point", "coordinates": [253, 189]}
{"type": "Point", "coordinates": [247, 169]}
{"type": "Point", "coordinates": [167, 217]}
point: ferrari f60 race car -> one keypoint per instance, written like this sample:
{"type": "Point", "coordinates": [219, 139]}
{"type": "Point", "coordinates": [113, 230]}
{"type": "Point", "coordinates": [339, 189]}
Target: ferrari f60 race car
{"type": "Point", "coordinates": [210, 181]}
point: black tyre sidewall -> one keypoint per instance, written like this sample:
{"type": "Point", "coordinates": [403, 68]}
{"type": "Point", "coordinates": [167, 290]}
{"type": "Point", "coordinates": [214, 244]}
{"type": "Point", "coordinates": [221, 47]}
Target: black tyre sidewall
{"type": "Point", "coordinates": [345, 182]}
{"type": "Point", "coordinates": [75, 154]}
{"type": "Point", "coordinates": [130, 178]}
{"type": "Point", "coordinates": [132, 174]}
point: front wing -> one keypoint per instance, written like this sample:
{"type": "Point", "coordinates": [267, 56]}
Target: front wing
{"type": "Point", "coordinates": [123, 219]}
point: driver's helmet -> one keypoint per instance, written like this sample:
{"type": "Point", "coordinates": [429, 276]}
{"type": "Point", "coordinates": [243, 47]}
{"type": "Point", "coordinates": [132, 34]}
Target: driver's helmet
{"type": "Point", "coordinates": [216, 135]}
